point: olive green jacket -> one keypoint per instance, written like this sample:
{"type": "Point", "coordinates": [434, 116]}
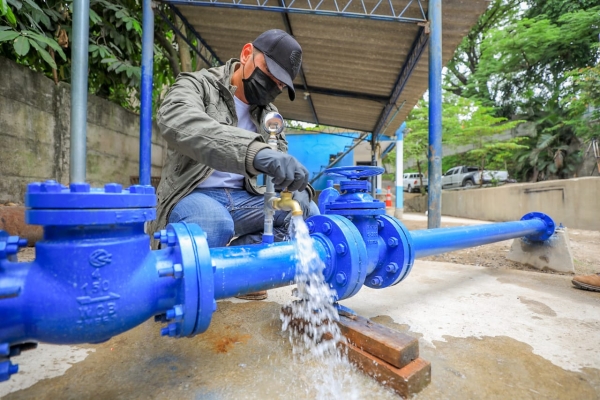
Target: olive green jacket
{"type": "Point", "coordinates": [199, 122]}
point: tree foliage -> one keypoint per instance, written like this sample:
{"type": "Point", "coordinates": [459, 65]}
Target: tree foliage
{"type": "Point", "coordinates": [464, 122]}
{"type": "Point", "coordinates": [525, 58]}
{"type": "Point", "coordinates": [38, 34]}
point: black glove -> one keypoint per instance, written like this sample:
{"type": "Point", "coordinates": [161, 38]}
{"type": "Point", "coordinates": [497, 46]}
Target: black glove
{"type": "Point", "coordinates": [286, 171]}
{"type": "Point", "coordinates": [303, 198]}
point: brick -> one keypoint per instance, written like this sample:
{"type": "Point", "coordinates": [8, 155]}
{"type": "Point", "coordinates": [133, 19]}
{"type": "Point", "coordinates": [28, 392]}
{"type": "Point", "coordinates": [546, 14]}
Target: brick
{"type": "Point", "coordinates": [12, 220]}
{"type": "Point", "coordinates": [396, 348]}
{"type": "Point", "coordinates": [405, 381]}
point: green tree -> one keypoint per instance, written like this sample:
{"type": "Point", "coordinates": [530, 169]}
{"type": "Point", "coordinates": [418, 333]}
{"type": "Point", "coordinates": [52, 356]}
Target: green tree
{"type": "Point", "coordinates": [464, 122]}
{"type": "Point", "coordinates": [37, 33]}
{"type": "Point", "coordinates": [521, 61]}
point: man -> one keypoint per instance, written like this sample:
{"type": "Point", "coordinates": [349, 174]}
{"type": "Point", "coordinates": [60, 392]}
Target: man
{"type": "Point", "coordinates": [211, 122]}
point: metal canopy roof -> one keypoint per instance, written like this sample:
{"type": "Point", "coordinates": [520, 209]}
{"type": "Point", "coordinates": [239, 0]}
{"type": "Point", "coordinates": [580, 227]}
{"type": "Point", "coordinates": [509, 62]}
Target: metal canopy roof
{"type": "Point", "coordinates": [365, 62]}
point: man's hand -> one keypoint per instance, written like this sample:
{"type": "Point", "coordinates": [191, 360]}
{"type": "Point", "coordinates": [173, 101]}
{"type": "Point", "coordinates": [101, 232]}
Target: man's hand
{"type": "Point", "coordinates": [286, 171]}
{"type": "Point", "coordinates": [303, 198]}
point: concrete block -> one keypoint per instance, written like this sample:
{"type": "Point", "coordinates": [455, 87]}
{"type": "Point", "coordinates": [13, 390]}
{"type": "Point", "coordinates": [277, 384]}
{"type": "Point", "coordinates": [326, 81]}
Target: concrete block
{"type": "Point", "coordinates": [398, 213]}
{"type": "Point", "coordinates": [391, 211]}
{"type": "Point", "coordinates": [554, 254]}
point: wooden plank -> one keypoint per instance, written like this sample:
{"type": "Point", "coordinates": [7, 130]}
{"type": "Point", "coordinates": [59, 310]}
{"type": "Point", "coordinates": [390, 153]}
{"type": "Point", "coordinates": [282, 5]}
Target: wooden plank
{"type": "Point", "coordinates": [391, 346]}
{"type": "Point", "coordinates": [405, 381]}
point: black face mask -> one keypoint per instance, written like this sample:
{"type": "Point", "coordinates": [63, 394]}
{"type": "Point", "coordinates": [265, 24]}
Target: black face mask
{"type": "Point", "coordinates": [259, 89]}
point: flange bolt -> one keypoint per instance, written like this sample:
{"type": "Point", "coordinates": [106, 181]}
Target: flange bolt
{"type": "Point", "coordinates": [7, 369]}
{"type": "Point", "coordinates": [377, 281]}
{"type": "Point", "coordinates": [380, 224]}
{"type": "Point", "coordinates": [392, 242]}
{"type": "Point", "coordinates": [17, 241]}
{"type": "Point", "coordinates": [392, 268]}
{"type": "Point", "coordinates": [113, 188]}
{"type": "Point", "coordinates": [311, 226]}
{"type": "Point", "coordinates": [340, 278]}
{"type": "Point", "coordinates": [327, 228]}
{"type": "Point", "coordinates": [51, 186]}
{"type": "Point", "coordinates": [4, 349]}
{"type": "Point", "coordinates": [176, 271]}
{"type": "Point", "coordinates": [341, 249]}
{"type": "Point", "coordinates": [166, 237]}
{"type": "Point", "coordinates": [79, 187]}
{"type": "Point", "coordinates": [170, 330]}
{"type": "Point", "coordinates": [175, 313]}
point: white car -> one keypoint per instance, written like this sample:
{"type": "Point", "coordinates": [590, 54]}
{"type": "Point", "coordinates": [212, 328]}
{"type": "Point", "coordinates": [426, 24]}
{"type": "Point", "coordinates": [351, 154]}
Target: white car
{"type": "Point", "coordinates": [464, 176]}
{"type": "Point", "coordinates": [411, 182]}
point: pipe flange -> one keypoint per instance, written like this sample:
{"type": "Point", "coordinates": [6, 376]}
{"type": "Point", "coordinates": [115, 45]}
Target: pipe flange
{"type": "Point", "coordinates": [198, 298]}
{"type": "Point", "coordinates": [550, 226]}
{"type": "Point", "coordinates": [396, 255]}
{"type": "Point", "coordinates": [347, 255]}
{"type": "Point", "coordinates": [52, 204]}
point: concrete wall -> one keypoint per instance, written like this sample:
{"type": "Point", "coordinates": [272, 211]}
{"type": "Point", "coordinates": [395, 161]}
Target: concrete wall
{"type": "Point", "coordinates": [574, 202]}
{"type": "Point", "coordinates": [35, 133]}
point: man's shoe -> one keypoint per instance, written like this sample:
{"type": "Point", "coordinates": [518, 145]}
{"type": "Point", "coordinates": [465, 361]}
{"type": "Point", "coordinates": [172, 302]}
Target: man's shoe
{"type": "Point", "coordinates": [587, 282]}
{"type": "Point", "coordinates": [261, 295]}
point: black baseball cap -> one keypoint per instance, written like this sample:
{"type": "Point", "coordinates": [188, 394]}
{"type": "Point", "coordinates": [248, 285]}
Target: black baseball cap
{"type": "Point", "coordinates": [283, 55]}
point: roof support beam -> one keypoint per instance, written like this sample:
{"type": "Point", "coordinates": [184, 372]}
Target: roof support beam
{"type": "Point", "coordinates": [181, 35]}
{"type": "Point", "coordinates": [304, 87]}
{"type": "Point", "coordinates": [344, 93]}
{"type": "Point", "coordinates": [331, 8]}
{"type": "Point", "coordinates": [288, 28]}
{"type": "Point", "coordinates": [409, 65]}
{"type": "Point", "coordinates": [215, 59]}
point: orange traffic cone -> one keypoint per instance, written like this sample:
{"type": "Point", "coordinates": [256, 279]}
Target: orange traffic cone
{"type": "Point", "coordinates": [388, 198]}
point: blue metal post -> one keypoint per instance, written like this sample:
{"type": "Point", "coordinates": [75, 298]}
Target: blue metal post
{"type": "Point", "coordinates": [434, 153]}
{"type": "Point", "coordinates": [400, 170]}
{"type": "Point", "coordinates": [146, 95]}
{"type": "Point", "coordinates": [79, 88]}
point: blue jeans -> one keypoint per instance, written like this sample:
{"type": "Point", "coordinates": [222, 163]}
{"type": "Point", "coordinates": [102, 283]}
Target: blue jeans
{"type": "Point", "coordinates": [227, 213]}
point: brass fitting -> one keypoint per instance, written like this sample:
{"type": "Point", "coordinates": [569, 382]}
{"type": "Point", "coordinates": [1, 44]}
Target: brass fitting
{"type": "Point", "coordinates": [286, 203]}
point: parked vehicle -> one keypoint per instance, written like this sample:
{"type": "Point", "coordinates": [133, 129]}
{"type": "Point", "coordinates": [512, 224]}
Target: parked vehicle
{"type": "Point", "coordinates": [464, 176]}
{"type": "Point", "coordinates": [412, 182]}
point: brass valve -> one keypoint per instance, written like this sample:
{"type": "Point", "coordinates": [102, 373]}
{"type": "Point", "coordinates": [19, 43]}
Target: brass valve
{"type": "Point", "coordinates": [286, 203]}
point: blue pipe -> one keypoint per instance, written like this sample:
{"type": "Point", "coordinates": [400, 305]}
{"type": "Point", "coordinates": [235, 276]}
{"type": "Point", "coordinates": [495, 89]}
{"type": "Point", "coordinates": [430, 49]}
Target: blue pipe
{"type": "Point", "coordinates": [95, 276]}
{"type": "Point", "coordinates": [146, 93]}
{"type": "Point", "coordinates": [247, 269]}
{"type": "Point", "coordinates": [430, 242]}
{"type": "Point", "coordinates": [79, 89]}
{"type": "Point", "coordinates": [434, 152]}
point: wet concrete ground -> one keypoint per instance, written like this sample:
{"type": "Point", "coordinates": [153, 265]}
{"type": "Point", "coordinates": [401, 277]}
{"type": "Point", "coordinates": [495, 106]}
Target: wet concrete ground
{"type": "Point", "coordinates": [489, 333]}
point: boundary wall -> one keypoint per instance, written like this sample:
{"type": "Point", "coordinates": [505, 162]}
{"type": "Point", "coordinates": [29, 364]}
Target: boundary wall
{"type": "Point", "coordinates": [35, 134]}
{"type": "Point", "coordinates": [573, 202]}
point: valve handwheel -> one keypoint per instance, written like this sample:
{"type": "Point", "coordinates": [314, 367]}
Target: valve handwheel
{"type": "Point", "coordinates": [355, 172]}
